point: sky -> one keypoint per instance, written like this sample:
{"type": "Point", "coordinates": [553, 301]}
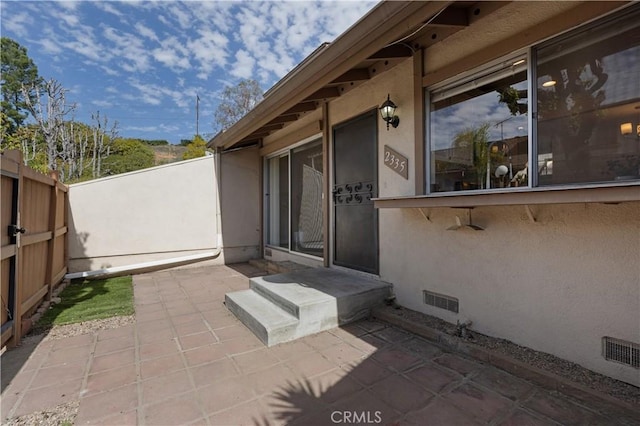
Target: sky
{"type": "Point", "coordinates": [143, 63]}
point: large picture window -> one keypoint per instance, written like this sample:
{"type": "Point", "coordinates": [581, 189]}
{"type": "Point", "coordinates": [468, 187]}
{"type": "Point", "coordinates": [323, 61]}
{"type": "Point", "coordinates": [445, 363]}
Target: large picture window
{"type": "Point", "coordinates": [478, 131]}
{"type": "Point", "coordinates": [572, 104]}
{"type": "Point", "coordinates": [588, 98]}
{"type": "Point", "coordinates": [295, 199]}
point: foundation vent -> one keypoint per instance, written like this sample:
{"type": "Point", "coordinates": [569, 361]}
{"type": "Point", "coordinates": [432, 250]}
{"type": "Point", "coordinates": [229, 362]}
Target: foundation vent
{"type": "Point", "coordinates": [621, 351]}
{"type": "Point", "coordinates": [440, 301]}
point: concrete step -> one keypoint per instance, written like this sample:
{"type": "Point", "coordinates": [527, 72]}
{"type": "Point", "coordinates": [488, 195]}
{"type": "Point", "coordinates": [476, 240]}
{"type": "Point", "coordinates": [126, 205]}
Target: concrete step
{"type": "Point", "coordinates": [283, 307]}
{"type": "Point", "coordinates": [289, 294]}
{"type": "Point", "coordinates": [267, 321]}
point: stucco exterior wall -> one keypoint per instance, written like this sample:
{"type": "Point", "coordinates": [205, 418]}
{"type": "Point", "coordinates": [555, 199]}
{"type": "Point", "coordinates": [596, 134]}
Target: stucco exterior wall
{"type": "Point", "coordinates": [148, 215]}
{"type": "Point", "coordinates": [240, 198]}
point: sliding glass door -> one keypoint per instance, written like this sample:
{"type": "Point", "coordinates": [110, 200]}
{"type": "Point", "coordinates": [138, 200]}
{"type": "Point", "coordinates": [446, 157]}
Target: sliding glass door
{"type": "Point", "coordinates": [294, 206]}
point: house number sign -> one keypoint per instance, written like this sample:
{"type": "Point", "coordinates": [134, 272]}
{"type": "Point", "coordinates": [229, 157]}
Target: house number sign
{"type": "Point", "coordinates": [396, 162]}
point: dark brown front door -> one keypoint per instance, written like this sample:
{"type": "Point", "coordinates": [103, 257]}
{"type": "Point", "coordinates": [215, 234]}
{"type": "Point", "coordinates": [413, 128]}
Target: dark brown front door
{"type": "Point", "coordinates": [355, 184]}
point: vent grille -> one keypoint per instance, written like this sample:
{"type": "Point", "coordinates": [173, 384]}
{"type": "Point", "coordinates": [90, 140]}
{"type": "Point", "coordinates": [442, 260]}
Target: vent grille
{"type": "Point", "coordinates": [621, 351]}
{"type": "Point", "coordinates": [441, 301]}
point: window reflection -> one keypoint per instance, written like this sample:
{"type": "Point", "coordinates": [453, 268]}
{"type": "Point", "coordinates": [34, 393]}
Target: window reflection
{"type": "Point", "coordinates": [588, 86]}
{"type": "Point", "coordinates": [479, 137]}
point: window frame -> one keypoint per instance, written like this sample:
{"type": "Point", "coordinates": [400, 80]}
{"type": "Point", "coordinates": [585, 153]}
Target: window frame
{"type": "Point", "coordinates": [489, 72]}
{"type": "Point", "coordinates": [288, 151]}
{"type": "Point", "coordinates": [458, 82]}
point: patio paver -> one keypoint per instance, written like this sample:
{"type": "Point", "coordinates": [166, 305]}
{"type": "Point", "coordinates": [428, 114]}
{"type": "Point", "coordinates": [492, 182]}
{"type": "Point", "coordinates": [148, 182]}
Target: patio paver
{"type": "Point", "coordinates": [187, 360]}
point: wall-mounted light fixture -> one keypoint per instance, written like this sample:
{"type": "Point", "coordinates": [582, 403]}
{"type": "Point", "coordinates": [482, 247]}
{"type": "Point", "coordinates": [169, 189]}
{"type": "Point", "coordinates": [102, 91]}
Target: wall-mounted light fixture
{"type": "Point", "coordinates": [387, 111]}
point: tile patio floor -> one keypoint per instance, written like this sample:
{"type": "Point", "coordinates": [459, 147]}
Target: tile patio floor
{"type": "Point", "coordinates": [187, 360]}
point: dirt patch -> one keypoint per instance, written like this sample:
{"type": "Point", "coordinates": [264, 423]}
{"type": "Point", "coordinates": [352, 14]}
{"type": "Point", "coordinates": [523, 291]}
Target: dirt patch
{"type": "Point", "coordinates": [61, 415]}
{"type": "Point", "coordinates": [68, 330]}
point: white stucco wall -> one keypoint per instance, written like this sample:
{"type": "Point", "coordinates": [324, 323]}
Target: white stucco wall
{"type": "Point", "coordinates": [240, 198]}
{"type": "Point", "coordinates": [153, 214]}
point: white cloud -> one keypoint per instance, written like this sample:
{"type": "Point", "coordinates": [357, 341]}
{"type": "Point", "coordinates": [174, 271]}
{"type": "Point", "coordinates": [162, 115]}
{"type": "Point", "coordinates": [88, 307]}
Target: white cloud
{"type": "Point", "coordinates": [173, 54]}
{"type": "Point", "coordinates": [107, 7]}
{"type": "Point", "coordinates": [147, 32]}
{"type": "Point", "coordinates": [85, 44]}
{"type": "Point", "coordinates": [16, 22]}
{"type": "Point", "coordinates": [66, 15]}
{"type": "Point", "coordinates": [102, 104]}
{"type": "Point", "coordinates": [128, 47]}
{"type": "Point", "coordinates": [243, 67]}
{"type": "Point", "coordinates": [183, 17]}
{"type": "Point", "coordinates": [163, 128]}
{"type": "Point", "coordinates": [49, 45]}
{"type": "Point", "coordinates": [209, 50]}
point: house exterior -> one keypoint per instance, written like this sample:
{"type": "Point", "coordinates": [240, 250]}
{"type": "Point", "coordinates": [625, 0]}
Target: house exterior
{"type": "Point", "coordinates": [508, 195]}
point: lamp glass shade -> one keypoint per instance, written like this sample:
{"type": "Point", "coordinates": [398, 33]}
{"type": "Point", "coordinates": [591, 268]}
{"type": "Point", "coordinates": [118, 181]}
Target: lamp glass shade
{"type": "Point", "coordinates": [387, 109]}
{"type": "Point", "coordinates": [625, 128]}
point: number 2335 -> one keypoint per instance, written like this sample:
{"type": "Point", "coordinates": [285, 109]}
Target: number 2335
{"type": "Point", "coordinates": [395, 162]}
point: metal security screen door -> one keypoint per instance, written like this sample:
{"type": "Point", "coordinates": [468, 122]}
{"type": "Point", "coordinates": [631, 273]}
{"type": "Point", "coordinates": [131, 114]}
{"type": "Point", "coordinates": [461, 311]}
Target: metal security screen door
{"type": "Point", "coordinates": [355, 174]}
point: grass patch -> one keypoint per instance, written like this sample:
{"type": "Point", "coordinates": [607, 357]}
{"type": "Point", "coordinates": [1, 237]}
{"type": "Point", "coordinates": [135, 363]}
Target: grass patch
{"type": "Point", "coordinates": [85, 300]}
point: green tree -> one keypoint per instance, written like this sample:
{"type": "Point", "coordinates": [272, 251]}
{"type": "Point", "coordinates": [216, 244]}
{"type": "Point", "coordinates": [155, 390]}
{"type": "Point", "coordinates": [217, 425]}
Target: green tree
{"type": "Point", "coordinates": [127, 155]}
{"type": "Point", "coordinates": [17, 70]}
{"type": "Point", "coordinates": [195, 149]}
{"type": "Point", "coordinates": [236, 102]}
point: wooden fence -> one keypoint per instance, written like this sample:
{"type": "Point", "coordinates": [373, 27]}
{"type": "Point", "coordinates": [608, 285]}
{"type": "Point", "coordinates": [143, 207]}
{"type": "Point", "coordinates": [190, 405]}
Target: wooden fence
{"type": "Point", "coordinates": [34, 241]}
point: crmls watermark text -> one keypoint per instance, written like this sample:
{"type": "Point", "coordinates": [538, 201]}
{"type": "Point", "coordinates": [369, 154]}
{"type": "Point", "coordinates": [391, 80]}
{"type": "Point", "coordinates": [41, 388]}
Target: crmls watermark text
{"type": "Point", "coordinates": [347, 417]}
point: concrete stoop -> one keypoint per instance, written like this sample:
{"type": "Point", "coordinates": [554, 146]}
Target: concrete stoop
{"type": "Point", "coordinates": [284, 307]}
